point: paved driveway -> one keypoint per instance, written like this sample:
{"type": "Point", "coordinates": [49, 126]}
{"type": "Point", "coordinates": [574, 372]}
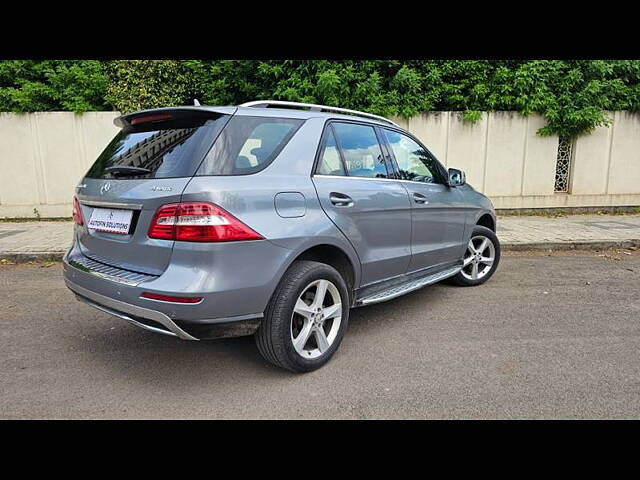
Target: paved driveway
{"type": "Point", "coordinates": [552, 337]}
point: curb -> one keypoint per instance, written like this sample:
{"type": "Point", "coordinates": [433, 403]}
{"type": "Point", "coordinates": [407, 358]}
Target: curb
{"type": "Point", "coordinates": [577, 245]}
{"type": "Point", "coordinates": [16, 257]}
{"type": "Point", "coordinates": [31, 257]}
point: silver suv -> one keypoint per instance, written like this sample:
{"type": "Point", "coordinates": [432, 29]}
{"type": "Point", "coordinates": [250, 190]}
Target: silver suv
{"type": "Point", "coordinates": [271, 218]}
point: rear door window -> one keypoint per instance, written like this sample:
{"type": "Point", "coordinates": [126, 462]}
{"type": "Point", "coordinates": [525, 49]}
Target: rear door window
{"type": "Point", "coordinates": [248, 144]}
{"type": "Point", "coordinates": [361, 150]}
{"type": "Point", "coordinates": [330, 162]}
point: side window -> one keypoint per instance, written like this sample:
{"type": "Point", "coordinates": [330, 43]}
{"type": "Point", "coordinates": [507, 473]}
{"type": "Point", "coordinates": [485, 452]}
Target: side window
{"type": "Point", "coordinates": [261, 143]}
{"type": "Point", "coordinates": [361, 150]}
{"type": "Point", "coordinates": [414, 162]}
{"type": "Point", "coordinates": [330, 163]}
{"type": "Point", "coordinates": [248, 144]}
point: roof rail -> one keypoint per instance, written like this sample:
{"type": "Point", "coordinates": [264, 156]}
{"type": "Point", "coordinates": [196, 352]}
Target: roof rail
{"type": "Point", "coordinates": [312, 106]}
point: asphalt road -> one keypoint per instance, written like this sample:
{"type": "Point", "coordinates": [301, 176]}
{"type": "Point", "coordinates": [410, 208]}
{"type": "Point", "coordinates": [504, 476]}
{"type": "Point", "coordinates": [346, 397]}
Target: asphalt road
{"type": "Point", "coordinates": [536, 341]}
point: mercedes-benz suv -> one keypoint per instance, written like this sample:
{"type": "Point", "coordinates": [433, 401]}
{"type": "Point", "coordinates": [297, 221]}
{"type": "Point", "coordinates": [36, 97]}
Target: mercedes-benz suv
{"type": "Point", "coordinates": [273, 219]}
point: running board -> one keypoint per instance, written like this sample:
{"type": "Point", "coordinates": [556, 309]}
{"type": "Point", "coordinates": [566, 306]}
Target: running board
{"type": "Point", "coordinates": [398, 290]}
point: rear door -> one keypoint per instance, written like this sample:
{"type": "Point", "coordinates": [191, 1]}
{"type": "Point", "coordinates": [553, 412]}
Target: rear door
{"type": "Point", "coordinates": [438, 213]}
{"type": "Point", "coordinates": [356, 191]}
{"type": "Point", "coordinates": [148, 164]}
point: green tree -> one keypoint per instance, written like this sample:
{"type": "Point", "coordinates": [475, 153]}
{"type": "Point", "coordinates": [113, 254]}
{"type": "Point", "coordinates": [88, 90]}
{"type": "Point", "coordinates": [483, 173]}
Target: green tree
{"type": "Point", "coordinates": [77, 86]}
{"type": "Point", "coordinates": [573, 96]}
{"type": "Point", "coordinates": [140, 84]}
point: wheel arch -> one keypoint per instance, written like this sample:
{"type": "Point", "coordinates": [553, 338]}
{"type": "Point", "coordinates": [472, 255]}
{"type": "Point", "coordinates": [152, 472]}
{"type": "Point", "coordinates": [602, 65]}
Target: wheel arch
{"type": "Point", "coordinates": [337, 258]}
{"type": "Point", "coordinates": [487, 220]}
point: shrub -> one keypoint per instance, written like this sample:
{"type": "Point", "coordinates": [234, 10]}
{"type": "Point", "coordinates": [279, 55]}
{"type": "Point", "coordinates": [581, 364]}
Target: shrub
{"type": "Point", "coordinates": [28, 86]}
{"type": "Point", "coordinates": [572, 95]}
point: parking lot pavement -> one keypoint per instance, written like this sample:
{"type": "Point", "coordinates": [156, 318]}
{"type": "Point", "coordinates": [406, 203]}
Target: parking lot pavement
{"type": "Point", "coordinates": [547, 337]}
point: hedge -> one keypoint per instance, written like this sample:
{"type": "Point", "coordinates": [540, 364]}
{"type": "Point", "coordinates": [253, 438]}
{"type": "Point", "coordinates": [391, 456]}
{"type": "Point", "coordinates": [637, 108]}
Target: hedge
{"type": "Point", "coordinates": [572, 95]}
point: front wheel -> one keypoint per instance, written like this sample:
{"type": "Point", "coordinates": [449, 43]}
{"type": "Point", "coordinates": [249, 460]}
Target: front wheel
{"type": "Point", "coordinates": [306, 318]}
{"type": "Point", "coordinates": [480, 259]}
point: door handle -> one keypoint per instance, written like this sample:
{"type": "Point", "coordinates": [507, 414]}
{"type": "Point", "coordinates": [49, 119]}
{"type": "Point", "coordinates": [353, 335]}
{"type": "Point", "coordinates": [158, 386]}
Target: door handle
{"type": "Point", "coordinates": [340, 199]}
{"type": "Point", "coordinates": [419, 198]}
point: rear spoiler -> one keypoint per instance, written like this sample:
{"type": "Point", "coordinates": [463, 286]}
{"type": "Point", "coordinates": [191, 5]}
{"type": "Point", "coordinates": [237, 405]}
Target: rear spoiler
{"type": "Point", "coordinates": [159, 113]}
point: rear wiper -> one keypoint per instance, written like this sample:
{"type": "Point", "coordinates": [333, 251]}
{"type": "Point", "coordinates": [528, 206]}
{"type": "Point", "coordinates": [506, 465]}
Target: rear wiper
{"type": "Point", "coordinates": [127, 170]}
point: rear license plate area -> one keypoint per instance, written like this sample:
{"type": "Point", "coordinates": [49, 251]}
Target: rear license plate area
{"type": "Point", "coordinates": [111, 220]}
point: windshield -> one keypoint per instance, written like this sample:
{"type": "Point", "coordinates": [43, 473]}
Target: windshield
{"type": "Point", "coordinates": [169, 149]}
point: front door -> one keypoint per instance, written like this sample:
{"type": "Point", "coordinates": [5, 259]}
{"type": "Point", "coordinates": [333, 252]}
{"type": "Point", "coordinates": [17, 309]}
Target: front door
{"type": "Point", "coordinates": [370, 209]}
{"type": "Point", "coordinates": [438, 214]}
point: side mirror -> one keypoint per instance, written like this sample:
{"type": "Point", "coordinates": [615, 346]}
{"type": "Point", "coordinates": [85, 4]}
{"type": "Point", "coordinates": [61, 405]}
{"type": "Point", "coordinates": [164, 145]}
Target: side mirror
{"type": "Point", "coordinates": [456, 177]}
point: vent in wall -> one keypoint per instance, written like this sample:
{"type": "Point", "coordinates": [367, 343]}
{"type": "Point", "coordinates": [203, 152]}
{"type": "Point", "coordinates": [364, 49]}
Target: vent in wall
{"type": "Point", "coordinates": [563, 165]}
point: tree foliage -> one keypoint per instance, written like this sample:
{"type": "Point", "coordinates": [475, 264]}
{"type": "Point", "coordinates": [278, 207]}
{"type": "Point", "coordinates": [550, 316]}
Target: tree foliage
{"type": "Point", "coordinates": [139, 84]}
{"type": "Point", "coordinates": [30, 86]}
{"type": "Point", "coordinates": [572, 95]}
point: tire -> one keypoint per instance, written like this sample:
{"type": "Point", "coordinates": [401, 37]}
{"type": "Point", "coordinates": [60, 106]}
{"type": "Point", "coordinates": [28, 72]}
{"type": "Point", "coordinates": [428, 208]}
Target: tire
{"type": "Point", "coordinates": [287, 323]}
{"type": "Point", "coordinates": [465, 278]}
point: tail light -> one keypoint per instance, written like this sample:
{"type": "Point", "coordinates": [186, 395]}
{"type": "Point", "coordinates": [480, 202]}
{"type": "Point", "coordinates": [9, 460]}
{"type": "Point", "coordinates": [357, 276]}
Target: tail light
{"type": "Point", "coordinates": [77, 212]}
{"type": "Point", "coordinates": [198, 222]}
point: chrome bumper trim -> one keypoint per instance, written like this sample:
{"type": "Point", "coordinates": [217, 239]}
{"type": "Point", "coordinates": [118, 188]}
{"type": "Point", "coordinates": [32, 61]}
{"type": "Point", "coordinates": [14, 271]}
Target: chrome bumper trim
{"type": "Point", "coordinates": [126, 206]}
{"type": "Point", "coordinates": [123, 317]}
{"type": "Point", "coordinates": [120, 309]}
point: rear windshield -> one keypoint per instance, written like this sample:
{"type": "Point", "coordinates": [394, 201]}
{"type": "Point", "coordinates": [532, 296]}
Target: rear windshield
{"type": "Point", "coordinates": [248, 144]}
{"type": "Point", "coordinates": [167, 149]}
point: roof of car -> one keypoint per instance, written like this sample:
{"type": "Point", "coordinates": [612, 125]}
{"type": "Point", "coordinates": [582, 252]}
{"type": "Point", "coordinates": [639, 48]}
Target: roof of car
{"type": "Point", "coordinates": [257, 112]}
{"type": "Point", "coordinates": [303, 114]}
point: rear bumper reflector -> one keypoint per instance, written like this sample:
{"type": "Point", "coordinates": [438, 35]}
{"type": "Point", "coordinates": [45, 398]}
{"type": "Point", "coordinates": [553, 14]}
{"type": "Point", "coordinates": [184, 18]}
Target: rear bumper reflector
{"type": "Point", "coordinates": [168, 298]}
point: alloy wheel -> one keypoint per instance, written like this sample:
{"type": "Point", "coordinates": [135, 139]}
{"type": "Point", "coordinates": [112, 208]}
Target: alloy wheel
{"type": "Point", "coordinates": [479, 258]}
{"type": "Point", "coordinates": [316, 319]}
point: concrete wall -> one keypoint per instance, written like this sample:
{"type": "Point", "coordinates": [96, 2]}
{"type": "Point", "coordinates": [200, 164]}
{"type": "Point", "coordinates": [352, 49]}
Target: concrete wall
{"type": "Point", "coordinates": [44, 155]}
{"type": "Point", "coordinates": [506, 159]}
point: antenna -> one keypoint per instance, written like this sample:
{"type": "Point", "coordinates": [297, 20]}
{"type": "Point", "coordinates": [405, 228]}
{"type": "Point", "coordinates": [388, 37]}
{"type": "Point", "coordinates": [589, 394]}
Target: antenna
{"type": "Point", "coordinates": [196, 103]}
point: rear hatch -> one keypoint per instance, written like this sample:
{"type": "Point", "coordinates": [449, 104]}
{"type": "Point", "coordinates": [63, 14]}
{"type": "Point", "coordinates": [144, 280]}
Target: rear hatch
{"type": "Point", "coordinates": [148, 164]}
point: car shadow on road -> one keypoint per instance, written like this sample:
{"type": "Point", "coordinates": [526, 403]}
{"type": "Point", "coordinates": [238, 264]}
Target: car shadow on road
{"type": "Point", "coordinates": [143, 357]}
{"type": "Point", "coordinates": [380, 314]}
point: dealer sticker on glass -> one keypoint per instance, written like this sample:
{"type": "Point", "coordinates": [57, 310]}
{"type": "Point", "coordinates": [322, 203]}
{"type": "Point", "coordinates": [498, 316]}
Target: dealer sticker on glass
{"type": "Point", "coordinates": [110, 220]}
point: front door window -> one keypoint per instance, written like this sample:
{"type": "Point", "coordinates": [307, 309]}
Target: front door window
{"type": "Point", "coordinates": [414, 162]}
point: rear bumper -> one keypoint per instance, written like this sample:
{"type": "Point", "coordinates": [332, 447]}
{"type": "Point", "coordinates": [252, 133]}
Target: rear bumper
{"type": "Point", "coordinates": [233, 302]}
{"type": "Point", "coordinates": [158, 322]}
{"type": "Point", "coordinates": [141, 317]}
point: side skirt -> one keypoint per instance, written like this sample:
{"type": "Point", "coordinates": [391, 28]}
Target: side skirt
{"type": "Point", "coordinates": [409, 283]}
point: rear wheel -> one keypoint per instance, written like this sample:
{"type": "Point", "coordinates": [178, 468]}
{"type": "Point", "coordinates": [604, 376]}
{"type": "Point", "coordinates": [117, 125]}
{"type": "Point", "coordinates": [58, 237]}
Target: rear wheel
{"type": "Point", "coordinates": [480, 259]}
{"type": "Point", "coordinates": [306, 318]}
